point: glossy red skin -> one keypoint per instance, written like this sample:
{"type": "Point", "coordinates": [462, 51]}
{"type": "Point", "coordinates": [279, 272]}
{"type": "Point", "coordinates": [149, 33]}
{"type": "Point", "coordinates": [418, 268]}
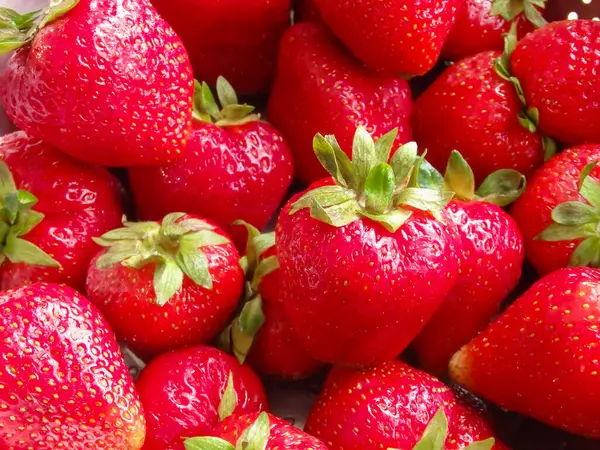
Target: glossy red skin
{"type": "Point", "coordinates": [181, 392]}
{"type": "Point", "coordinates": [321, 88]}
{"type": "Point", "coordinates": [97, 87]}
{"type": "Point", "coordinates": [283, 435]}
{"type": "Point", "coordinates": [491, 260]}
{"type": "Point", "coordinates": [540, 358]}
{"type": "Point", "coordinates": [567, 95]}
{"type": "Point", "coordinates": [554, 183]}
{"type": "Point", "coordinates": [237, 39]}
{"type": "Point", "coordinates": [79, 202]}
{"type": "Point", "coordinates": [307, 11]}
{"type": "Point", "coordinates": [390, 405]}
{"type": "Point", "coordinates": [227, 173]}
{"type": "Point", "coordinates": [396, 37]}
{"type": "Point", "coordinates": [62, 376]}
{"type": "Point", "coordinates": [357, 295]}
{"type": "Point", "coordinates": [194, 315]}
{"type": "Point", "coordinates": [471, 109]}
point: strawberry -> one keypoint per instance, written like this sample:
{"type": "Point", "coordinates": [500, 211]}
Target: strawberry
{"type": "Point", "coordinates": [187, 392]}
{"type": "Point", "coordinates": [397, 37]}
{"type": "Point", "coordinates": [166, 285]}
{"type": "Point", "coordinates": [559, 78]}
{"type": "Point", "coordinates": [52, 206]}
{"type": "Point", "coordinates": [107, 82]}
{"type": "Point", "coordinates": [63, 382]}
{"type": "Point", "coordinates": [540, 358]}
{"type": "Point", "coordinates": [235, 167]}
{"type": "Point", "coordinates": [390, 406]}
{"type": "Point", "coordinates": [365, 262]}
{"type": "Point", "coordinates": [550, 245]}
{"type": "Point", "coordinates": [491, 259]}
{"type": "Point", "coordinates": [320, 88]}
{"type": "Point", "coordinates": [306, 11]}
{"type": "Point", "coordinates": [237, 39]}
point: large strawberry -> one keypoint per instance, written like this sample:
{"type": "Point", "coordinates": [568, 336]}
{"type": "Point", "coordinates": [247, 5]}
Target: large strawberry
{"type": "Point", "coordinates": [187, 392]}
{"type": "Point", "coordinates": [63, 382]}
{"type": "Point", "coordinates": [235, 167]}
{"type": "Point", "coordinates": [320, 88]}
{"type": "Point", "coordinates": [541, 357]}
{"type": "Point", "coordinates": [490, 258]}
{"type": "Point", "coordinates": [51, 206]}
{"type": "Point", "coordinates": [107, 82]}
{"type": "Point", "coordinates": [166, 285]}
{"type": "Point", "coordinates": [365, 262]}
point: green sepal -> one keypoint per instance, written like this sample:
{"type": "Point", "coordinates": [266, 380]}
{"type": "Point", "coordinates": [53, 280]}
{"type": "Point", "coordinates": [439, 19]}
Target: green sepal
{"type": "Point", "coordinates": [557, 232]}
{"type": "Point", "coordinates": [550, 147]}
{"type": "Point", "coordinates": [434, 437]}
{"type": "Point", "coordinates": [207, 443]}
{"type": "Point", "coordinates": [56, 10]}
{"type": "Point", "coordinates": [403, 162]}
{"type": "Point", "coordinates": [326, 196]}
{"type": "Point", "coordinates": [459, 177]}
{"type": "Point", "coordinates": [229, 399]}
{"type": "Point", "coordinates": [245, 327]}
{"type": "Point", "coordinates": [379, 188]}
{"type": "Point", "coordinates": [364, 157]}
{"type": "Point", "coordinates": [338, 215]}
{"type": "Point", "coordinates": [511, 9]}
{"type": "Point", "coordinates": [256, 436]}
{"type": "Point", "coordinates": [424, 199]}
{"type": "Point", "coordinates": [21, 251]}
{"type": "Point", "coordinates": [429, 177]}
{"type": "Point", "coordinates": [502, 187]}
{"type": "Point", "coordinates": [587, 253]}
{"type": "Point", "coordinates": [226, 93]}
{"type": "Point", "coordinates": [533, 15]}
{"type": "Point", "coordinates": [168, 279]}
{"type": "Point", "coordinates": [391, 220]}
{"type": "Point", "coordinates": [487, 444]}
{"type": "Point", "coordinates": [575, 213]}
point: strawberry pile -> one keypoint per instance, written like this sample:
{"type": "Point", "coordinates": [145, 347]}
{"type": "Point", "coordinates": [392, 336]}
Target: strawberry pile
{"type": "Point", "coordinates": [406, 225]}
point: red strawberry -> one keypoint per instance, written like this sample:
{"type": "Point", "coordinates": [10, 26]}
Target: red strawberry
{"type": "Point", "coordinates": [107, 82]}
{"type": "Point", "coordinates": [306, 11]}
{"type": "Point", "coordinates": [186, 392]}
{"type": "Point", "coordinates": [63, 204]}
{"type": "Point", "coordinates": [556, 183]}
{"type": "Point", "coordinates": [234, 38]}
{"type": "Point", "coordinates": [166, 285]}
{"type": "Point", "coordinates": [364, 261]}
{"type": "Point", "coordinates": [540, 358]}
{"type": "Point", "coordinates": [560, 79]}
{"type": "Point", "coordinates": [491, 259]}
{"type": "Point", "coordinates": [395, 37]}
{"type": "Point", "coordinates": [320, 88]}
{"type": "Point", "coordinates": [63, 382]}
{"type": "Point", "coordinates": [390, 406]}
{"type": "Point", "coordinates": [235, 167]}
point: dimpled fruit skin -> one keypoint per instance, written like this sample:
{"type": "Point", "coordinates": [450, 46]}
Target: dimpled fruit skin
{"type": "Point", "coordinates": [567, 94]}
{"type": "Point", "coordinates": [540, 358]}
{"type": "Point", "coordinates": [181, 392]}
{"type": "Point", "coordinates": [63, 380]}
{"type": "Point", "coordinates": [491, 260]}
{"type": "Point", "coordinates": [554, 183]}
{"type": "Point", "coordinates": [392, 36]}
{"type": "Point", "coordinates": [194, 315]}
{"type": "Point", "coordinates": [229, 173]}
{"type": "Point", "coordinates": [79, 202]}
{"type": "Point", "coordinates": [471, 109]}
{"type": "Point", "coordinates": [391, 405]}
{"type": "Point", "coordinates": [283, 435]}
{"type": "Point", "coordinates": [320, 88]}
{"type": "Point", "coordinates": [109, 83]}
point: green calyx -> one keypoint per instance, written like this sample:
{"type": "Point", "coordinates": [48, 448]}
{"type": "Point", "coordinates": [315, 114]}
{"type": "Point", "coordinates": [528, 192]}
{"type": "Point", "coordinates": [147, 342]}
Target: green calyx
{"type": "Point", "coordinates": [175, 246]}
{"type": "Point", "coordinates": [206, 108]}
{"type": "Point", "coordinates": [16, 30]}
{"type": "Point", "coordinates": [228, 400]}
{"type": "Point", "coordinates": [370, 186]}
{"type": "Point", "coordinates": [511, 9]}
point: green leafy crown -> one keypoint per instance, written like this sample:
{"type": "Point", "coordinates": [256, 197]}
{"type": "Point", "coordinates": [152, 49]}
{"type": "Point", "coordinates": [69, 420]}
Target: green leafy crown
{"type": "Point", "coordinates": [511, 9]}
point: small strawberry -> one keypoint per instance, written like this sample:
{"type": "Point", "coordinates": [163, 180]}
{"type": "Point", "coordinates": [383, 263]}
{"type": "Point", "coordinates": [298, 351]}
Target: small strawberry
{"type": "Point", "coordinates": [63, 382]}
{"type": "Point", "coordinates": [187, 392]}
{"type": "Point", "coordinates": [540, 357]}
{"type": "Point", "coordinates": [51, 206]}
{"type": "Point", "coordinates": [235, 166]}
{"type": "Point", "coordinates": [320, 88]}
{"type": "Point", "coordinates": [107, 82]}
{"type": "Point", "coordinates": [166, 285]}
{"type": "Point", "coordinates": [491, 259]}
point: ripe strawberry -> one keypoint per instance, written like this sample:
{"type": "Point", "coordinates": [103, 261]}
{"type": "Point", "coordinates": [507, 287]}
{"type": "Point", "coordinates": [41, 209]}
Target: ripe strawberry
{"type": "Point", "coordinates": [63, 382]}
{"type": "Point", "coordinates": [235, 167]}
{"type": "Point", "coordinates": [166, 285]}
{"type": "Point", "coordinates": [390, 406]}
{"type": "Point", "coordinates": [364, 261]}
{"type": "Point", "coordinates": [559, 78]}
{"type": "Point", "coordinates": [540, 358]}
{"type": "Point", "coordinates": [490, 258]}
{"type": "Point", "coordinates": [320, 88]}
{"type": "Point", "coordinates": [549, 246]}
{"type": "Point", "coordinates": [107, 82]}
{"type": "Point", "coordinates": [187, 392]}
{"type": "Point", "coordinates": [397, 37]}
{"type": "Point", "coordinates": [51, 210]}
